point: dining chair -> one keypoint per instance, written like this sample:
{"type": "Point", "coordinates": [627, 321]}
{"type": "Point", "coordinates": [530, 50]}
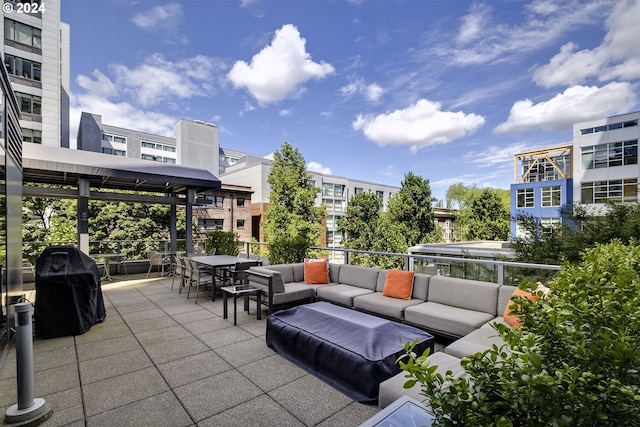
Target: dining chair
{"type": "Point", "coordinates": [158, 260]}
{"type": "Point", "coordinates": [180, 270]}
{"type": "Point", "coordinates": [198, 277]}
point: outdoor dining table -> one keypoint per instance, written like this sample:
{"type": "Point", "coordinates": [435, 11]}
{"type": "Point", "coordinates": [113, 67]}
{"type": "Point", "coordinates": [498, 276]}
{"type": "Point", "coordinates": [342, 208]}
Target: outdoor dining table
{"type": "Point", "coordinates": [107, 260]}
{"type": "Point", "coordinates": [215, 262]}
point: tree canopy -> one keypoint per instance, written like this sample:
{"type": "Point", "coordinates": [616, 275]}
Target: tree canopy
{"type": "Point", "coordinates": [483, 214]}
{"type": "Point", "coordinates": [581, 229]}
{"type": "Point", "coordinates": [292, 212]}
{"type": "Point", "coordinates": [407, 221]}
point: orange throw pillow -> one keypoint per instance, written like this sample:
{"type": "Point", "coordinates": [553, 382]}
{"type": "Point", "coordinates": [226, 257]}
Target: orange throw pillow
{"type": "Point", "coordinates": [316, 271]}
{"type": "Point", "coordinates": [512, 307]}
{"type": "Point", "coordinates": [398, 284]}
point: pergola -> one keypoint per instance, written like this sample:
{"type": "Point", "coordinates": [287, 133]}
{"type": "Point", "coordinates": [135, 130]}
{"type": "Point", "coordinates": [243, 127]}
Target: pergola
{"type": "Point", "coordinates": [84, 175]}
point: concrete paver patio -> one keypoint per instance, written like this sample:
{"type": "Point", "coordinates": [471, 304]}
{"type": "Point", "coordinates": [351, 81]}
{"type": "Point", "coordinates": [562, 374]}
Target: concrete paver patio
{"type": "Point", "coordinates": [161, 360]}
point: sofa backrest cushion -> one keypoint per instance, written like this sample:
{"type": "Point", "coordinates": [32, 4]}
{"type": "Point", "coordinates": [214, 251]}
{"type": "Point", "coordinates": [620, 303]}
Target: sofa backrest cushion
{"type": "Point", "coordinates": [334, 272]}
{"type": "Point", "coordinates": [462, 293]}
{"type": "Point", "coordinates": [298, 272]}
{"type": "Point", "coordinates": [504, 297]}
{"type": "Point", "coordinates": [421, 286]}
{"type": "Point", "coordinates": [286, 270]}
{"type": "Point", "coordinates": [276, 277]}
{"type": "Point", "coordinates": [362, 277]}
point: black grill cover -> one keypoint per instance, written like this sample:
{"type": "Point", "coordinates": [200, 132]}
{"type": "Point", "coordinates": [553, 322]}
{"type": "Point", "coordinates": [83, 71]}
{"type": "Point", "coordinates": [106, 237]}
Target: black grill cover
{"type": "Point", "coordinates": [68, 293]}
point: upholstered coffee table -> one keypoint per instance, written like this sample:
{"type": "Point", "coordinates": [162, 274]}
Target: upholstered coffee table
{"type": "Point", "coordinates": [352, 351]}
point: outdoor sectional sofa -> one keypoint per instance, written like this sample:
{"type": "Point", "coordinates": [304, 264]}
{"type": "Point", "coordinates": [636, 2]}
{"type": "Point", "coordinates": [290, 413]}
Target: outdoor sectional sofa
{"type": "Point", "coordinates": [449, 307]}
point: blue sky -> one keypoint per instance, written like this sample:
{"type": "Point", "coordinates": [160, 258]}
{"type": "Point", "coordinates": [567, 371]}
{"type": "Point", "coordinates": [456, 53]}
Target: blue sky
{"type": "Point", "coordinates": [369, 89]}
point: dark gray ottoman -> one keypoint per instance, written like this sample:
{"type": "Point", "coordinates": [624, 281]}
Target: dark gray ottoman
{"type": "Point", "coordinates": [352, 351]}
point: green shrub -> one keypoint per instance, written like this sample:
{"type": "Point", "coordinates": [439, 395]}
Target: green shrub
{"type": "Point", "coordinates": [286, 251]}
{"type": "Point", "coordinates": [574, 362]}
{"type": "Point", "coordinates": [225, 242]}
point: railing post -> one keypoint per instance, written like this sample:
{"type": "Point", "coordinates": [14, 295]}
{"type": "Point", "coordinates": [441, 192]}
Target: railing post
{"type": "Point", "coordinates": [501, 274]}
{"type": "Point", "coordinates": [346, 257]}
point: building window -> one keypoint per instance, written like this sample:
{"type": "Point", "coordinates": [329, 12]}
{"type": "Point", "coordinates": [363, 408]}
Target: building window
{"type": "Point", "coordinates": [611, 126]}
{"type": "Point", "coordinates": [525, 198]}
{"type": "Point", "coordinates": [550, 226]}
{"type": "Point", "coordinates": [240, 202]}
{"type": "Point", "coordinates": [240, 224]}
{"type": "Point", "coordinates": [32, 135]}
{"type": "Point", "coordinates": [30, 104]}
{"type": "Point", "coordinates": [22, 33]}
{"type": "Point", "coordinates": [210, 224]}
{"type": "Point", "coordinates": [380, 195]}
{"type": "Point", "coordinates": [610, 155]}
{"type": "Point", "coordinates": [23, 67]}
{"type": "Point", "coordinates": [622, 190]}
{"type": "Point", "coordinates": [333, 190]}
{"type": "Point", "coordinates": [114, 138]}
{"type": "Point", "coordinates": [358, 190]}
{"type": "Point", "coordinates": [551, 196]}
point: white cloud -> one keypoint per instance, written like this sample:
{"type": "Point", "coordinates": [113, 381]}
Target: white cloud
{"type": "Point", "coordinates": [388, 171]}
{"type": "Point", "coordinates": [481, 39]}
{"type": "Point", "coordinates": [158, 80]}
{"type": "Point", "coordinates": [280, 69]}
{"type": "Point", "coordinates": [158, 16]}
{"type": "Point", "coordinates": [372, 92]}
{"type": "Point", "coordinates": [317, 167]}
{"type": "Point", "coordinates": [493, 155]}
{"type": "Point", "coordinates": [118, 98]}
{"type": "Point", "coordinates": [473, 24]}
{"type": "Point", "coordinates": [284, 113]}
{"type": "Point", "coordinates": [617, 57]}
{"type": "Point", "coordinates": [420, 125]}
{"type": "Point", "coordinates": [576, 104]}
{"type": "Point", "coordinates": [163, 20]}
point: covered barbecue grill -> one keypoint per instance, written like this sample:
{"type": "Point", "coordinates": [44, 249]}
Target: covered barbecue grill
{"type": "Point", "coordinates": [68, 293]}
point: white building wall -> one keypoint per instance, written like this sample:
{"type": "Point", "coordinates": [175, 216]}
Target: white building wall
{"type": "Point", "coordinates": [55, 72]}
{"type": "Point", "coordinates": [581, 140]}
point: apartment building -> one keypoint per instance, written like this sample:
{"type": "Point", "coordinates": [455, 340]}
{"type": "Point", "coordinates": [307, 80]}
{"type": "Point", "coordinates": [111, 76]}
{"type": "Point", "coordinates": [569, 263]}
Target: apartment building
{"type": "Point", "coordinates": [194, 144]}
{"type": "Point", "coordinates": [334, 193]}
{"type": "Point", "coordinates": [599, 164]}
{"type": "Point", "coordinates": [606, 166]}
{"type": "Point", "coordinates": [35, 51]}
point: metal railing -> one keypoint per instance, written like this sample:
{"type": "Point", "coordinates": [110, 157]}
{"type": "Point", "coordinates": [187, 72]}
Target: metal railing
{"type": "Point", "coordinates": [489, 270]}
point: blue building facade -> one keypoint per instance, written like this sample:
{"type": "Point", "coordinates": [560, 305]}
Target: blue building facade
{"type": "Point", "coordinates": [543, 186]}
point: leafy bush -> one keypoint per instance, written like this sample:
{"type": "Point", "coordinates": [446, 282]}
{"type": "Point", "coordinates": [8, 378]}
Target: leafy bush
{"type": "Point", "coordinates": [225, 242]}
{"type": "Point", "coordinates": [286, 251]}
{"type": "Point", "coordinates": [574, 361]}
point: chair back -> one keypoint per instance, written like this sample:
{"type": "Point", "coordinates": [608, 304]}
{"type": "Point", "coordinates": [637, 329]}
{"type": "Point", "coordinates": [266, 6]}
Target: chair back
{"type": "Point", "coordinates": [155, 257]}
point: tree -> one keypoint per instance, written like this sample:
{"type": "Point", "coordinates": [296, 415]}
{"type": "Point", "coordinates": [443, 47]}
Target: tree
{"type": "Point", "coordinates": [411, 209]}
{"type": "Point", "coordinates": [574, 361]}
{"type": "Point", "coordinates": [292, 211]}
{"type": "Point", "coordinates": [483, 214]}
{"type": "Point", "coordinates": [580, 229]}
{"type": "Point", "coordinates": [360, 221]}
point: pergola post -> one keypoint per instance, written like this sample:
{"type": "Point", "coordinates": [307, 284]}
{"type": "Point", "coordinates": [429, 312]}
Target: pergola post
{"type": "Point", "coordinates": [83, 215]}
{"type": "Point", "coordinates": [191, 199]}
{"type": "Point", "coordinates": [173, 231]}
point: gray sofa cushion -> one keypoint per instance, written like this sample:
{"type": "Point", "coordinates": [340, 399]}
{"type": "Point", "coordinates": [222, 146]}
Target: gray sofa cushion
{"type": "Point", "coordinates": [285, 269]}
{"type": "Point", "coordinates": [340, 293]}
{"type": "Point", "coordinates": [504, 297]}
{"type": "Point", "coordinates": [334, 272]}
{"type": "Point", "coordinates": [466, 294]}
{"type": "Point", "coordinates": [377, 303]}
{"type": "Point", "coordinates": [293, 292]}
{"type": "Point", "coordinates": [263, 283]}
{"type": "Point", "coordinates": [393, 388]}
{"type": "Point", "coordinates": [445, 319]}
{"type": "Point", "coordinates": [362, 277]}
{"type": "Point", "coordinates": [298, 272]}
{"type": "Point", "coordinates": [477, 341]}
